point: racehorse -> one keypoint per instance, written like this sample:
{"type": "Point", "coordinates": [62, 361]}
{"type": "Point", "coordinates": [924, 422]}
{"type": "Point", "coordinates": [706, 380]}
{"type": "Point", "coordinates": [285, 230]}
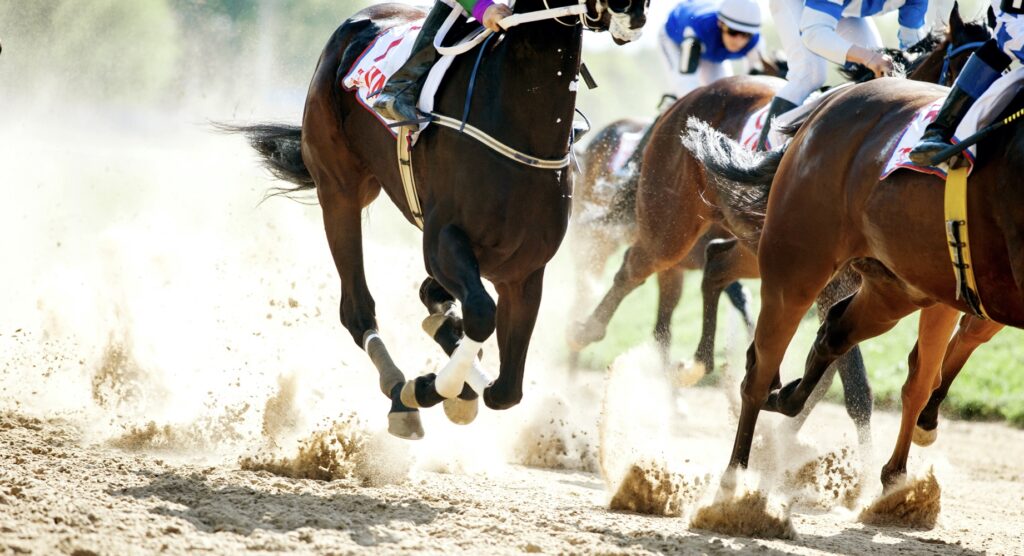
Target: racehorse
{"type": "Point", "coordinates": [676, 204]}
{"type": "Point", "coordinates": [891, 231]}
{"type": "Point", "coordinates": [604, 218]}
{"type": "Point", "coordinates": [939, 59]}
{"type": "Point", "coordinates": [485, 213]}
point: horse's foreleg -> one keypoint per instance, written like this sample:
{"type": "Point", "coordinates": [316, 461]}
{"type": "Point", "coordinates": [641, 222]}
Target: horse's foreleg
{"type": "Point", "coordinates": [670, 289]}
{"type": "Point", "coordinates": [518, 304]}
{"type": "Point", "coordinates": [934, 330]}
{"type": "Point", "coordinates": [969, 336]}
{"type": "Point", "coordinates": [724, 263]}
{"type": "Point", "coordinates": [454, 266]}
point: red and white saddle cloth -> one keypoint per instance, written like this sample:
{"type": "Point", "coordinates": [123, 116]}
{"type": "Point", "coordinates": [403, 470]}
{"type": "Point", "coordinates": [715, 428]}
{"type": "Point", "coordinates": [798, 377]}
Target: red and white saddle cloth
{"type": "Point", "coordinates": [984, 111]}
{"type": "Point", "coordinates": [381, 59]}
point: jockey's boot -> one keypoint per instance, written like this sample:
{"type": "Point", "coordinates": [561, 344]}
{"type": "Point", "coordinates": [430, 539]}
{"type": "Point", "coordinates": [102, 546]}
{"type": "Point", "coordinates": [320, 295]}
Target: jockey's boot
{"type": "Point", "coordinates": [778, 107]}
{"type": "Point", "coordinates": [397, 100]}
{"type": "Point", "coordinates": [982, 69]}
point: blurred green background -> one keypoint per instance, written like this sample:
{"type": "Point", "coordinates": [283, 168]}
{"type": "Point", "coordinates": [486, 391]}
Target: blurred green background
{"type": "Point", "coordinates": [220, 59]}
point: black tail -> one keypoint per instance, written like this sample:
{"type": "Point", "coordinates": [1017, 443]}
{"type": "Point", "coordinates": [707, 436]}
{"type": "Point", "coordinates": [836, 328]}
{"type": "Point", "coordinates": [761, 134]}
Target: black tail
{"type": "Point", "coordinates": [742, 178]}
{"type": "Point", "coordinates": [281, 148]}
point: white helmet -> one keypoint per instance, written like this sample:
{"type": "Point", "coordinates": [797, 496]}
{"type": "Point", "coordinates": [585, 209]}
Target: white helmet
{"type": "Point", "coordinates": [741, 15]}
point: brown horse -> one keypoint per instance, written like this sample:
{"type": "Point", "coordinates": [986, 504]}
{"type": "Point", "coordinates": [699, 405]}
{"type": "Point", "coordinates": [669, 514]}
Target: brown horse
{"type": "Point", "coordinates": [892, 232]}
{"type": "Point", "coordinates": [485, 214]}
{"type": "Point", "coordinates": [604, 219]}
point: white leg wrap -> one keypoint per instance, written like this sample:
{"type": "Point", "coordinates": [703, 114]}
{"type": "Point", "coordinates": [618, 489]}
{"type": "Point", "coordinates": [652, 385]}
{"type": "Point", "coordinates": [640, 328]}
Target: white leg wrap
{"type": "Point", "coordinates": [450, 379]}
{"type": "Point", "coordinates": [477, 379]}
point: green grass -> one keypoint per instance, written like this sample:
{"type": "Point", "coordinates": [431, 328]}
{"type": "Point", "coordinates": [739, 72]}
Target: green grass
{"type": "Point", "coordinates": [990, 387]}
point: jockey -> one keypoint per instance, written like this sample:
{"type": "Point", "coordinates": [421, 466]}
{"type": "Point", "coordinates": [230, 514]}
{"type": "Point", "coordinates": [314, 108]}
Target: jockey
{"type": "Point", "coordinates": [397, 100]}
{"type": "Point", "coordinates": [701, 35]}
{"type": "Point", "coordinates": [983, 68]}
{"type": "Point", "coordinates": [838, 31]}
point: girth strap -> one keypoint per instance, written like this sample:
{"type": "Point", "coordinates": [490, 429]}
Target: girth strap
{"type": "Point", "coordinates": [956, 235]}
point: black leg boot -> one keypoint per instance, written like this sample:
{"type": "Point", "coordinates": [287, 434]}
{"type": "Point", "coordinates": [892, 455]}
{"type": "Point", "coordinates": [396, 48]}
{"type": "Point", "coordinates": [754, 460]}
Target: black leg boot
{"type": "Point", "coordinates": [778, 107]}
{"type": "Point", "coordinates": [397, 100]}
{"type": "Point", "coordinates": [982, 69]}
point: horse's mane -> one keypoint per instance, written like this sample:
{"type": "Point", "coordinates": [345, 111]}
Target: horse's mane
{"type": "Point", "coordinates": [906, 60]}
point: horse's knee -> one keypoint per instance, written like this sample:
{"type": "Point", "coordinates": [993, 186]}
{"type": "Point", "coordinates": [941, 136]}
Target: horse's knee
{"type": "Point", "coordinates": [478, 316]}
{"type": "Point", "coordinates": [754, 388]}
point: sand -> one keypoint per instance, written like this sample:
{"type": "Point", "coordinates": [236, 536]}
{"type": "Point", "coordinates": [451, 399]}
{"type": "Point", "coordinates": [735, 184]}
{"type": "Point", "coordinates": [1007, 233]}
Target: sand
{"type": "Point", "coordinates": [173, 378]}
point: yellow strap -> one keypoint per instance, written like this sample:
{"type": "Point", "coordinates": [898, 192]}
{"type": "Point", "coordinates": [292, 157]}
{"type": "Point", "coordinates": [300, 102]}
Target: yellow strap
{"type": "Point", "coordinates": [412, 197]}
{"type": "Point", "coordinates": [956, 218]}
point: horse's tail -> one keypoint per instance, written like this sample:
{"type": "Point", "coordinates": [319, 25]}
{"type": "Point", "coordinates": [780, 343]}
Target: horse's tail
{"type": "Point", "coordinates": [741, 178]}
{"type": "Point", "coordinates": [623, 205]}
{"type": "Point", "coordinates": [280, 146]}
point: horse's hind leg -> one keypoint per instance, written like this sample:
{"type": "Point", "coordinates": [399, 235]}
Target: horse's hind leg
{"type": "Point", "coordinates": [879, 304]}
{"type": "Point", "coordinates": [452, 263]}
{"type": "Point", "coordinates": [936, 326]}
{"type": "Point", "coordinates": [850, 366]}
{"type": "Point", "coordinates": [725, 261]}
{"type": "Point", "coordinates": [972, 333]}
{"type": "Point", "coordinates": [341, 210]}
{"type": "Point", "coordinates": [670, 290]}
{"type": "Point", "coordinates": [518, 304]}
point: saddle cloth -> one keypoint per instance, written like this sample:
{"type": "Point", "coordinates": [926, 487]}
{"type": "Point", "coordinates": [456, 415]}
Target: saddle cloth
{"type": "Point", "coordinates": [752, 128]}
{"type": "Point", "coordinates": [984, 111]}
{"type": "Point", "coordinates": [381, 59]}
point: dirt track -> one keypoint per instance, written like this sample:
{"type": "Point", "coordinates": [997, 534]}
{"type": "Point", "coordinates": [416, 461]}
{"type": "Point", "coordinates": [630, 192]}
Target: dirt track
{"type": "Point", "coordinates": [58, 494]}
{"type": "Point", "coordinates": [159, 327]}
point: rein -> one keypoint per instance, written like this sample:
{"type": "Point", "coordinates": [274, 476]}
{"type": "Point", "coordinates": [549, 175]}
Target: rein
{"type": "Point", "coordinates": [952, 53]}
{"type": "Point", "coordinates": [483, 36]}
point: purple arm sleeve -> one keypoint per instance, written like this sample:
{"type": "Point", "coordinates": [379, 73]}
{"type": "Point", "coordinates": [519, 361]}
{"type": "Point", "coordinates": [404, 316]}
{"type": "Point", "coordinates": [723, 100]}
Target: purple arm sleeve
{"type": "Point", "coordinates": [480, 7]}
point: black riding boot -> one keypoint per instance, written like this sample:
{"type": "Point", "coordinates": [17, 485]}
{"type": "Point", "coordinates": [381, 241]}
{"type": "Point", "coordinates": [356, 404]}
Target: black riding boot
{"type": "Point", "coordinates": [397, 100]}
{"type": "Point", "coordinates": [982, 69]}
{"type": "Point", "coordinates": [778, 107]}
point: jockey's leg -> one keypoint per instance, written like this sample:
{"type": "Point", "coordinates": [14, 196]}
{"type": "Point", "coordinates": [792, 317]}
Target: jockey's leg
{"type": "Point", "coordinates": [397, 100]}
{"type": "Point", "coordinates": [807, 71]}
{"type": "Point", "coordinates": [982, 69]}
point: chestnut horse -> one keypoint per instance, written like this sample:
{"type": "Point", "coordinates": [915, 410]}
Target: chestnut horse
{"type": "Point", "coordinates": [604, 219]}
{"type": "Point", "coordinates": [892, 232]}
{"type": "Point", "coordinates": [485, 214]}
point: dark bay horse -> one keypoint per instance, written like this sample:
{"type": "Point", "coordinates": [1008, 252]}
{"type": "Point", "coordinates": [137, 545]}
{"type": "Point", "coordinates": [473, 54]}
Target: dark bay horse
{"type": "Point", "coordinates": [485, 214]}
{"type": "Point", "coordinates": [892, 232]}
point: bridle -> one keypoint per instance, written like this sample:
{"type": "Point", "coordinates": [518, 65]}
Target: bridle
{"type": "Point", "coordinates": [952, 52]}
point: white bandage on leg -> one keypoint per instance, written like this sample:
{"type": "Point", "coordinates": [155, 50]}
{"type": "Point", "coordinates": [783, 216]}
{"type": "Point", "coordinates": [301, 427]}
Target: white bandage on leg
{"type": "Point", "coordinates": [478, 379]}
{"type": "Point", "coordinates": [450, 379]}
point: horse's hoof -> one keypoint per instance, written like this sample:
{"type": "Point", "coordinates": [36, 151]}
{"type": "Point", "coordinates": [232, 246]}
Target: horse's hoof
{"type": "Point", "coordinates": [688, 373]}
{"type": "Point", "coordinates": [405, 425]}
{"type": "Point", "coordinates": [461, 412]}
{"type": "Point", "coordinates": [583, 334]}
{"type": "Point", "coordinates": [923, 437]}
